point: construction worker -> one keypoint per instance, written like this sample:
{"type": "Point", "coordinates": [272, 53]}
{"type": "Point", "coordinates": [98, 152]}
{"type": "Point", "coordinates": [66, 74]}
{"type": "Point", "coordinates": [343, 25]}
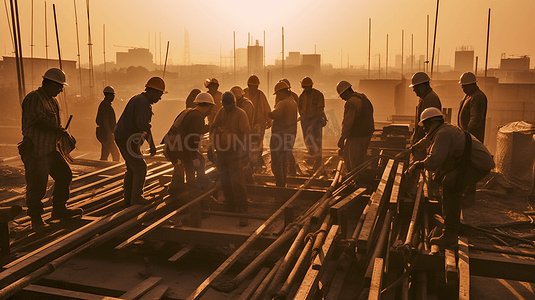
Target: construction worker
{"type": "Point", "coordinates": [106, 123]}
{"type": "Point", "coordinates": [357, 125]}
{"type": "Point", "coordinates": [428, 98]}
{"type": "Point", "coordinates": [311, 110]}
{"type": "Point", "coordinates": [191, 98]}
{"type": "Point", "coordinates": [472, 117]}
{"type": "Point", "coordinates": [261, 120]}
{"type": "Point", "coordinates": [243, 103]}
{"type": "Point", "coordinates": [133, 128]}
{"type": "Point", "coordinates": [292, 166]}
{"type": "Point", "coordinates": [212, 85]}
{"type": "Point", "coordinates": [229, 138]}
{"type": "Point", "coordinates": [457, 159]}
{"type": "Point", "coordinates": [41, 130]}
{"type": "Point", "coordinates": [283, 131]}
{"type": "Point", "coordinates": [294, 95]}
{"type": "Point", "coordinates": [182, 144]}
{"type": "Point", "coordinates": [473, 108]}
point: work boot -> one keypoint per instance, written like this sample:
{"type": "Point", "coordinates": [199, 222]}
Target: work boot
{"type": "Point", "coordinates": [63, 212]}
{"type": "Point", "coordinates": [38, 225]}
{"type": "Point", "coordinates": [447, 238]}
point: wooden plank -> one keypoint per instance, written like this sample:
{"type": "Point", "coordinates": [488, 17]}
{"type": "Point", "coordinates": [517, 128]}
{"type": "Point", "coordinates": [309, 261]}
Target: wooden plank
{"type": "Point", "coordinates": [464, 269]}
{"type": "Point", "coordinates": [380, 245]}
{"type": "Point", "coordinates": [377, 279]}
{"type": "Point", "coordinates": [310, 282]}
{"type": "Point", "coordinates": [450, 267]}
{"type": "Point", "coordinates": [141, 288]}
{"type": "Point", "coordinates": [187, 249]}
{"type": "Point", "coordinates": [367, 233]}
{"type": "Point", "coordinates": [395, 188]}
{"type": "Point", "coordinates": [505, 267]}
{"type": "Point", "coordinates": [255, 283]}
{"type": "Point", "coordinates": [156, 293]}
{"type": "Point", "coordinates": [152, 226]}
{"type": "Point", "coordinates": [61, 293]}
{"type": "Point", "coordinates": [348, 200]}
{"type": "Point", "coordinates": [415, 210]}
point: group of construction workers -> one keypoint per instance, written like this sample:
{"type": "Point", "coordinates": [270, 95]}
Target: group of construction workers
{"type": "Point", "coordinates": [236, 122]}
{"type": "Point", "coordinates": [454, 155]}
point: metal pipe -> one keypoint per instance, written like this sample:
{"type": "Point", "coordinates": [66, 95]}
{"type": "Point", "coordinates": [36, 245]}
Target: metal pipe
{"type": "Point", "coordinates": [16, 45]}
{"type": "Point", "coordinates": [487, 49]}
{"type": "Point", "coordinates": [434, 41]}
{"type": "Point", "coordinates": [21, 58]}
{"type": "Point", "coordinates": [78, 47]}
{"type": "Point", "coordinates": [165, 62]}
{"type": "Point", "coordinates": [57, 36]}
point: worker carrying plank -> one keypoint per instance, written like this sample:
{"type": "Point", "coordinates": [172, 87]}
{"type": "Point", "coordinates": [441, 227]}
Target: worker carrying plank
{"type": "Point", "coordinates": [457, 159]}
{"type": "Point", "coordinates": [41, 130]}
{"type": "Point", "coordinates": [133, 128]}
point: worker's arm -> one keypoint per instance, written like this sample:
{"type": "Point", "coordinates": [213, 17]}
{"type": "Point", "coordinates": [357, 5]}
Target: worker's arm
{"type": "Point", "coordinates": [478, 106]}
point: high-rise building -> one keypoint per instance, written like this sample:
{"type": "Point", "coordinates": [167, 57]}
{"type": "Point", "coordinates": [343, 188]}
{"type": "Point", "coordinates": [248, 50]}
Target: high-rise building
{"type": "Point", "coordinates": [135, 57]}
{"type": "Point", "coordinates": [464, 59]}
{"type": "Point", "coordinates": [255, 58]}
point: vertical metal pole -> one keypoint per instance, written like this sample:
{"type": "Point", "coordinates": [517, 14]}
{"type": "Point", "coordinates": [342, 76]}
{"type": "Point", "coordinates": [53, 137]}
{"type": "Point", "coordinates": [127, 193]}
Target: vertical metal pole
{"type": "Point", "coordinates": [412, 53]}
{"type": "Point", "coordinates": [282, 52]}
{"type": "Point", "coordinates": [234, 55]}
{"type": "Point", "coordinates": [78, 47]}
{"type": "Point", "coordinates": [402, 54]}
{"type": "Point", "coordinates": [165, 62]}
{"type": "Point", "coordinates": [57, 36]}
{"type": "Point", "coordinates": [369, 44]}
{"type": "Point", "coordinates": [16, 45]}
{"type": "Point", "coordinates": [386, 67]}
{"type": "Point", "coordinates": [90, 45]}
{"type": "Point", "coordinates": [427, 46]}
{"type": "Point", "coordinates": [22, 79]}
{"type": "Point", "coordinates": [46, 38]}
{"type": "Point", "coordinates": [104, 53]}
{"type": "Point", "coordinates": [475, 73]}
{"type": "Point", "coordinates": [487, 50]}
{"type": "Point", "coordinates": [31, 52]}
{"type": "Point", "coordinates": [434, 41]}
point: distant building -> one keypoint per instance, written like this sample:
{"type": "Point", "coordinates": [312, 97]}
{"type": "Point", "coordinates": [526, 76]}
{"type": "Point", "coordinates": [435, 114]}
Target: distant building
{"type": "Point", "coordinates": [34, 68]}
{"type": "Point", "coordinates": [313, 60]}
{"type": "Point", "coordinates": [464, 59]}
{"type": "Point", "coordinates": [255, 58]}
{"type": "Point", "coordinates": [135, 57]}
{"type": "Point", "coordinates": [293, 59]}
{"type": "Point", "coordinates": [515, 63]}
{"type": "Point", "coordinates": [241, 58]}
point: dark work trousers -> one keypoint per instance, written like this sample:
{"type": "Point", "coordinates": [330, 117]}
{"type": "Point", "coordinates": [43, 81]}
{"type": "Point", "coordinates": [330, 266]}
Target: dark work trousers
{"type": "Point", "coordinates": [136, 170]}
{"type": "Point", "coordinates": [257, 148]}
{"type": "Point", "coordinates": [195, 176]}
{"type": "Point", "coordinates": [453, 187]}
{"type": "Point", "coordinates": [313, 134]}
{"type": "Point", "coordinates": [281, 147]}
{"type": "Point", "coordinates": [230, 169]}
{"type": "Point", "coordinates": [355, 149]}
{"type": "Point", "coordinates": [37, 169]}
{"type": "Point", "coordinates": [107, 145]}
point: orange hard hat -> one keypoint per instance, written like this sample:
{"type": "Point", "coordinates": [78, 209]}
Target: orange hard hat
{"type": "Point", "coordinates": [156, 83]}
{"type": "Point", "coordinates": [307, 81]}
{"type": "Point", "coordinates": [253, 80]}
{"type": "Point", "coordinates": [280, 86]}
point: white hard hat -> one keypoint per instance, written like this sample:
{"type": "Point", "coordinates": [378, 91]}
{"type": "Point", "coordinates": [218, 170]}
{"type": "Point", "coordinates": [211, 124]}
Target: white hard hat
{"type": "Point", "coordinates": [108, 90]}
{"type": "Point", "coordinates": [342, 86]}
{"type": "Point", "coordinates": [419, 78]}
{"type": "Point", "coordinates": [467, 78]}
{"type": "Point", "coordinates": [55, 75]}
{"type": "Point", "coordinates": [429, 113]}
{"type": "Point", "coordinates": [204, 98]}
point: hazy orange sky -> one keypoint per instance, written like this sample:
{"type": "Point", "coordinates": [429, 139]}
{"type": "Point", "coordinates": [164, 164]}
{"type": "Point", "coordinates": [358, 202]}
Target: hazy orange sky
{"type": "Point", "coordinates": [335, 28]}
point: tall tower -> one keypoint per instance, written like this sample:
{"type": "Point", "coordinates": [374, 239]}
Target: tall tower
{"type": "Point", "coordinates": [187, 60]}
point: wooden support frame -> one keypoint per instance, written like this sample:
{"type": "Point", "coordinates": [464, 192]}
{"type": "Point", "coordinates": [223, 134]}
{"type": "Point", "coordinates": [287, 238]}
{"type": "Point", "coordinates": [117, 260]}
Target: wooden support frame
{"type": "Point", "coordinates": [141, 288]}
{"type": "Point", "coordinates": [395, 188]}
{"type": "Point", "coordinates": [310, 282]}
{"type": "Point", "coordinates": [450, 267]}
{"type": "Point", "coordinates": [368, 232]}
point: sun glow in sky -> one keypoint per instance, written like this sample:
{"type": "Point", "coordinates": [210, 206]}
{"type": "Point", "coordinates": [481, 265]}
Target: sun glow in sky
{"type": "Point", "coordinates": [337, 29]}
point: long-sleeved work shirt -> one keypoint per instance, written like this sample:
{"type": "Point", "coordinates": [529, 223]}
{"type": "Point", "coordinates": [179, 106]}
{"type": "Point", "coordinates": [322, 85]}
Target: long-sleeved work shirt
{"type": "Point", "coordinates": [234, 122]}
{"type": "Point", "coordinates": [135, 118]}
{"type": "Point", "coordinates": [36, 106]}
{"type": "Point", "coordinates": [248, 107]}
{"type": "Point", "coordinates": [311, 105]}
{"type": "Point", "coordinates": [217, 100]}
{"type": "Point", "coordinates": [447, 149]}
{"type": "Point", "coordinates": [261, 106]}
{"type": "Point", "coordinates": [473, 114]}
{"type": "Point", "coordinates": [358, 117]}
{"type": "Point", "coordinates": [284, 117]}
{"type": "Point", "coordinates": [429, 99]}
{"type": "Point", "coordinates": [106, 116]}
